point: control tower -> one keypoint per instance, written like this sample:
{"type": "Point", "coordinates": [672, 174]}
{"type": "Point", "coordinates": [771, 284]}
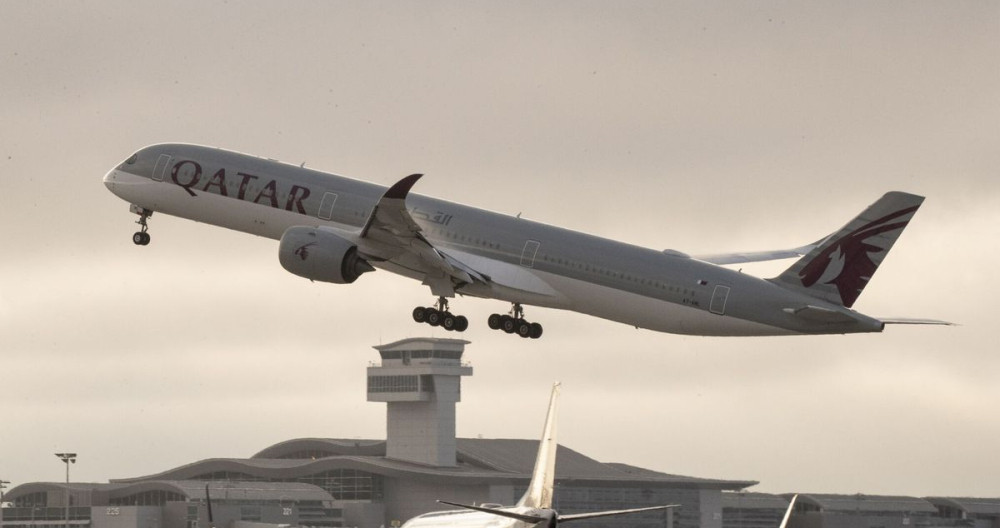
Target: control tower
{"type": "Point", "coordinates": [421, 380]}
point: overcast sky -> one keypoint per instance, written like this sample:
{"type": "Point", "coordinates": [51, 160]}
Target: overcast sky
{"type": "Point", "coordinates": [702, 127]}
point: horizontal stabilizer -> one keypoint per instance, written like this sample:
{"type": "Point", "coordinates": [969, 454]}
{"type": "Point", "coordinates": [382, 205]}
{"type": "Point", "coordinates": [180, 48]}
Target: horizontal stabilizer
{"type": "Point", "coordinates": [533, 519]}
{"type": "Point", "coordinates": [723, 259]}
{"type": "Point", "coordinates": [592, 515]}
{"type": "Point", "coordinates": [818, 314]}
{"type": "Point", "coordinates": [912, 321]}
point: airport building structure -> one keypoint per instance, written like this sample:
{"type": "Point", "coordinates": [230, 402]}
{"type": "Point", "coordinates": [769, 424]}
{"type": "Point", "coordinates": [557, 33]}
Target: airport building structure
{"type": "Point", "coordinates": [320, 482]}
{"type": "Point", "coordinates": [820, 510]}
{"type": "Point", "coordinates": [328, 483]}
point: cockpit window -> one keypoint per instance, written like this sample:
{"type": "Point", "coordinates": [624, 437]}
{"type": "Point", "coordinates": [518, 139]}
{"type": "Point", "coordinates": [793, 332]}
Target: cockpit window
{"type": "Point", "coordinates": [132, 159]}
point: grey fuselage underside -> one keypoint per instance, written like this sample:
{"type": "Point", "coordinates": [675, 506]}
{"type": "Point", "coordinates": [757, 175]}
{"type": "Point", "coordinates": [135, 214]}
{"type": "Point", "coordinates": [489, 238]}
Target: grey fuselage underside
{"type": "Point", "coordinates": [569, 255]}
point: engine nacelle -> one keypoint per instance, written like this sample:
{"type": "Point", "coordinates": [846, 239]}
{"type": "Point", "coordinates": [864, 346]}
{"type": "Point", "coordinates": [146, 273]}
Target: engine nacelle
{"type": "Point", "coordinates": [320, 256]}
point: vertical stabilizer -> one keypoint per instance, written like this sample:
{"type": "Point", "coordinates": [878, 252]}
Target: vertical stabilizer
{"type": "Point", "coordinates": [839, 268]}
{"type": "Point", "coordinates": [539, 494]}
{"type": "Point", "coordinates": [788, 512]}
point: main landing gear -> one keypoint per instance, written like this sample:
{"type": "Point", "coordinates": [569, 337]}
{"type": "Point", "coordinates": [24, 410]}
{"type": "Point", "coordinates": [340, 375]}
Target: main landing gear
{"type": "Point", "coordinates": [514, 323]}
{"type": "Point", "coordinates": [141, 238]}
{"type": "Point", "coordinates": [438, 315]}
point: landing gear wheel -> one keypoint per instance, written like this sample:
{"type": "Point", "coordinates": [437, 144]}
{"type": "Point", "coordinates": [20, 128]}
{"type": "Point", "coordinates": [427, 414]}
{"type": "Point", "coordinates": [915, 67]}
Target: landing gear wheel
{"type": "Point", "coordinates": [141, 237]}
{"type": "Point", "coordinates": [523, 328]}
{"type": "Point", "coordinates": [514, 323]}
{"type": "Point", "coordinates": [438, 315]}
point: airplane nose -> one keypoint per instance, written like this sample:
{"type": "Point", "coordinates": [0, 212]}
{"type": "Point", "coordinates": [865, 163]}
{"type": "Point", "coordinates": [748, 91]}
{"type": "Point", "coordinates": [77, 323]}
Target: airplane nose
{"type": "Point", "coordinates": [109, 180]}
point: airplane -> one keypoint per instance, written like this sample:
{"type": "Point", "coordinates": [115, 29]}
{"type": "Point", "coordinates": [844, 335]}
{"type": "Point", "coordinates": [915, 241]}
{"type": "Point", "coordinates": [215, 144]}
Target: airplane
{"type": "Point", "coordinates": [534, 507]}
{"type": "Point", "coordinates": [334, 229]}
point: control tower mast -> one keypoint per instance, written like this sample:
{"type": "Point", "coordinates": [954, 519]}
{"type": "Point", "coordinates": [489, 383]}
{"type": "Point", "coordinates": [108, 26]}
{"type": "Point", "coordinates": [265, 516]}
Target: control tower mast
{"type": "Point", "coordinates": [420, 380]}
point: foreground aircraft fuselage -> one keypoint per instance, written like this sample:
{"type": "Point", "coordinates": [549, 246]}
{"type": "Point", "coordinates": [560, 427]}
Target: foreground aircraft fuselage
{"type": "Point", "coordinates": [334, 228]}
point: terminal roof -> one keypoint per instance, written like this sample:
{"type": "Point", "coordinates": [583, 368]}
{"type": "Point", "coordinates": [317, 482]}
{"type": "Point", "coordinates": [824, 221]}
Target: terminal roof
{"type": "Point", "coordinates": [866, 503]}
{"type": "Point", "coordinates": [480, 460]}
{"type": "Point", "coordinates": [969, 505]}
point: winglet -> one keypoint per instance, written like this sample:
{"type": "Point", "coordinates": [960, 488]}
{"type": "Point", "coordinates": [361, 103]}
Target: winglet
{"type": "Point", "coordinates": [401, 188]}
{"type": "Point", "coordinates": [394, 198]}
{"type": "Point", "coordinates": [539, 493]}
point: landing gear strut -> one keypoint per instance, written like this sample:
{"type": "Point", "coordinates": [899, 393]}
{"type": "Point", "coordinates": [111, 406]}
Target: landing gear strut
{"type": "Point", "coordinates": [514, 323]}
{"type": "Point", "coordinates": [438, 315]}
{"type": "Point", "coordinates": [141, 238]}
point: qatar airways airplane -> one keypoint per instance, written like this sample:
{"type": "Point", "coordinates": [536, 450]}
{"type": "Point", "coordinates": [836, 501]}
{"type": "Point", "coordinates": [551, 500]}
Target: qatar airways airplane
{"type": "Point", "coordinates": [535, 507]}
{"type": "Point", "coordinates": [334, 229]}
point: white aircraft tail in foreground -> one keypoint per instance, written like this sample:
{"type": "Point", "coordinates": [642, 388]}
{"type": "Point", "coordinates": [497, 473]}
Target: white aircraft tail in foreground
{"type": "Point", "coordinates": [535, 507]}
{"type": "Point", "coordinates": [788, 512]}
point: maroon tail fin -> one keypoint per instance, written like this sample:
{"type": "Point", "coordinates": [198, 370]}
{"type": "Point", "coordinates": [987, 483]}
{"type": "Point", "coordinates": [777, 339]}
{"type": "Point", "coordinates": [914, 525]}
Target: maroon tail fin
{"type": "Point", "coordinates": [840, 267]}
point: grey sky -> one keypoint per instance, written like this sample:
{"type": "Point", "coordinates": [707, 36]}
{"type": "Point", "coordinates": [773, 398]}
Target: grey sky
{"type": "Point", "coordinates": [699, 127]}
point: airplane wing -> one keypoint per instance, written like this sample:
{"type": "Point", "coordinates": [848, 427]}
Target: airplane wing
{"type": "Point", "coordinates": [722, 259]}
{"type": "Point", "coordinates": [396, 235]}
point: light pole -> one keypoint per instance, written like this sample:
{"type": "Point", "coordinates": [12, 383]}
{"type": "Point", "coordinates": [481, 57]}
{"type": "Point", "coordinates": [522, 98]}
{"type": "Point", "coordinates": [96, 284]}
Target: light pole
{"type": "Point", "coordinates": [3, 486]}
{"type": "Point", "coordinates": [67, 458]}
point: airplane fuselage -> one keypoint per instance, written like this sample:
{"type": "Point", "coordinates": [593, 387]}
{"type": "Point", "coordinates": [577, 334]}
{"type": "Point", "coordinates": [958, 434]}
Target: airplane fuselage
{"type": "Point", "coordinates": [533, 263]}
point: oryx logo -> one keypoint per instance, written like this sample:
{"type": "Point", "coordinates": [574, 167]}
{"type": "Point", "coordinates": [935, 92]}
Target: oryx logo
{"type": "Point", "coordinates": [303, 251]}
{"type": "Point", "coordinates": [846, 263]}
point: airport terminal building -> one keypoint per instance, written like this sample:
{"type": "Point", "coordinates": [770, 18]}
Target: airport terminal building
{"type": "Point", "coordinates": [324, 482]}
{"type": "Point", "coordinates": [329, 483]}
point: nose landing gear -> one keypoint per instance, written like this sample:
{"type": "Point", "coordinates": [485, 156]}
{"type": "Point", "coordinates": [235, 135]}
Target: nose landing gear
{"type": "Point", "coordinates": [141, 238]}
{"type": "Point", "coordinates": [438, 315]}
{"type": "Point", "coordinates": [514, 323]}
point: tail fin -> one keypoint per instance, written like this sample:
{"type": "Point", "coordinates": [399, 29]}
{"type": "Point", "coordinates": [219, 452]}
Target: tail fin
{"type": "Point", "coordinates": [536, 505]}
{"type": "Point", "coordinates": [839, 268]}
{"type": "Point", "coordinates": [788, 512]}
{"type": "Point", "coordinates": [539, 493]}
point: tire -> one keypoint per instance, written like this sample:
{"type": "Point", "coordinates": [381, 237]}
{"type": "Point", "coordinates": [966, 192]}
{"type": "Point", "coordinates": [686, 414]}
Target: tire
{"type": "Point", "coordinates": [536, 330]}
{"type": "Point", "coordinates": [461, 323]}
{"type": "Point", "coordinates": [137, 238]}
{"type": "Point", "coordinates": [145, 239]}
{"type": "Point", "coordinates": [420, 314]}
{"type": "Point", "coordinates": [494, 321]}
{"type": "Point", "coordinates": [433, 317]}
{"type": "Point", "coordinates": [448, 322]}
{"type": "Point", "coordinates": [524, 328]}
{"type": "Point", "coordinates": [507, 324]}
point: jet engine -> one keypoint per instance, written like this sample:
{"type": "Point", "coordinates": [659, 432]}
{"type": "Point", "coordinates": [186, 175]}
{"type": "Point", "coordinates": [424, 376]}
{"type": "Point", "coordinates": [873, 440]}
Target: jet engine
{"type": "Point", "coordinates": [320, 256]}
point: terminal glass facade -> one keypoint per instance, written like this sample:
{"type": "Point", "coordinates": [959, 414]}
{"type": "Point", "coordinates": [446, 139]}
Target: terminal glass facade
{"type": "Point", "coordinates": [343, 484]}
{"type": "Point", "coordinates": [147, 498]}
